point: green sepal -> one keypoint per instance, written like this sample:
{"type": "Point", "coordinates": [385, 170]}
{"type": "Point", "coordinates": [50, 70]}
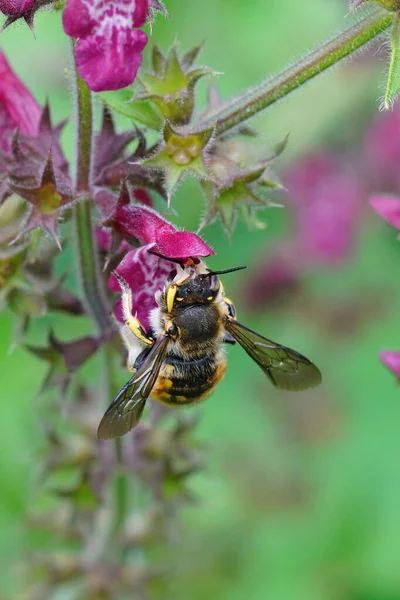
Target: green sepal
{"type": "Point", "coordinates": [240, 179]}
{"type": "Point", "coordinates": [179, 154]}
{"type": "Point", "coordinates": [139, 110]}
{"type": "Point", "coordinates": [225, 203]}
{"type": "Point", "coordinates": [170, 87]}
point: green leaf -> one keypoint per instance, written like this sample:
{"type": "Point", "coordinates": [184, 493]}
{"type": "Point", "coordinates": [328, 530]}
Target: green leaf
{"type": "Point", "coordinates": [121, 101]}
{"type": "Point", "coordinates": [393, 80]}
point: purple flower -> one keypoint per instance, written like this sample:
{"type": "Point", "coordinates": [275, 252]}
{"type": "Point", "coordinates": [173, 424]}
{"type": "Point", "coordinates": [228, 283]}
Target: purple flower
{"type": "Point", "coordinates": [382, 151]}
{"type": "Point", "coordinates": [325, 203]}
{"type": "Point", "coordinates": [18, 108]}
{"type": "Point", "coordinates": [391, 360]}
{"type": "Point", "coordinates": [15, 8]}
{"type": "Point", "coordinates": [327, 200]}
{"type": "Point", "coordinates": [387, 207]}
{"type": "Point", "coordinates": [108, 51]}
{"type": "Point", "coordinates": [274, 279]}
{"type": "Point", "coordinates": [142, 268]}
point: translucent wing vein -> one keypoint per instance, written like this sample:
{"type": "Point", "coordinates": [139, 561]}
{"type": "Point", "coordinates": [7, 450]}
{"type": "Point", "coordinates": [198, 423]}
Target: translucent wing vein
{"type": "Point", "coordinates": [127, 407]}
{"type": "Point", "coordinates": [286, 368]}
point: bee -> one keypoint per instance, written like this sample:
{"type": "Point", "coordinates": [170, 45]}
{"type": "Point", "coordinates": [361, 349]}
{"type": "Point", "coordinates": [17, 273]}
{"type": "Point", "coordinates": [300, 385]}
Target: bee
{"type": "Point", "coordinates": [181, 358]}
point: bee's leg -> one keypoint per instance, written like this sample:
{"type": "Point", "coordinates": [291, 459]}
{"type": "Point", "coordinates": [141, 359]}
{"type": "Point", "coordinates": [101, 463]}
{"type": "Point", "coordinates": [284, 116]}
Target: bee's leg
{"type": "Point", "coordinates": [133, 334]}
{"type": "Point", "coordinates": [228, 338]}
{"type": "Point", "coordinates": [131, 322]}
{"type": "Point", "coordinates": [230, 307]}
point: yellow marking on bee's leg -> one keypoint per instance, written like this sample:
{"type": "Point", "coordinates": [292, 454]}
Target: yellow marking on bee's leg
{"type": "Point", "coordinates": [131, 322]}
{"type": "Point", "coordinates": [138, 331]}
{"type": "Point", "coordinates": [170, 297]}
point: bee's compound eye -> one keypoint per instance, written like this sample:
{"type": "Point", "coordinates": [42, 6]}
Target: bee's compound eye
{"type": "Point", "coordinates": [172, 329]}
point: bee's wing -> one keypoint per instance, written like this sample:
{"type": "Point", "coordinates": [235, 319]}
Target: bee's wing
{"type": "Point", "coordinates": [126, 409]}
{"type": "Point", "coordinates": [286, 368]}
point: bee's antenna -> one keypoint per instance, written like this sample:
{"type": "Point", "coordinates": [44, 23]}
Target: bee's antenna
{"type": "Point", "coordinates": [178, 262]}
{"type": "Point", "coordinates": [224, 272]}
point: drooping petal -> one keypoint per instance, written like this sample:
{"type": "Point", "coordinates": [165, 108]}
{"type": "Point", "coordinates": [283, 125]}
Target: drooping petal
{"type": "Point", "coordinates": [182, 245]}
{"type": "Point", "coordinates": [387, 207]}
{"type": "Point", "coordinates": [141, 223]}
{"type": "Point", "coordinates": [148, 227]}
{"type": "Point", "coordinates": [391, 359]}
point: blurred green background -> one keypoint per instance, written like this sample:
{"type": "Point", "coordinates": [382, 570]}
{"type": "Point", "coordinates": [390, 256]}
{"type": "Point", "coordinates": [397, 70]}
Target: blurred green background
{"type": "Point", "coordinates": [300, 497]}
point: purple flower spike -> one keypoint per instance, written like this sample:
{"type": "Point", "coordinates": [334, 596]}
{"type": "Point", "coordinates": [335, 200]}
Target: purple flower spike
{"type": "Point", "coordinates": [391, 360]}
{"type": "Point", "coordinates": [387, 207]}
{"type": "Point", "coordinates": [108, 51]}
{"type": "Point", "coordinates": [142, 269]}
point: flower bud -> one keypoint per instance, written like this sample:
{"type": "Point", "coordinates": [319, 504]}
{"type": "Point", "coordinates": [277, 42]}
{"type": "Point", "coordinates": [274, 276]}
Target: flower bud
{"type": "Point", "coordinates": [171, 85]}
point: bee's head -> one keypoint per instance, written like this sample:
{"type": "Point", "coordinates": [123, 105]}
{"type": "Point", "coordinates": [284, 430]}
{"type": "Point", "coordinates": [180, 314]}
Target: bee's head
{"type": "Point", "coordinates": [190, 287]}
{"type": "Point", "coordinates": [200, 288]}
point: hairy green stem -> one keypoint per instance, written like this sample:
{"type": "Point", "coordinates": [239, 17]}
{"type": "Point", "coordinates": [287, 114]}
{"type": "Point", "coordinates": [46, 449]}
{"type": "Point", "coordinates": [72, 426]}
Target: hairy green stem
{"type": "Point", "coordinates": [86, 251]}
{"type": "Point", "coordinates": [306, 68]}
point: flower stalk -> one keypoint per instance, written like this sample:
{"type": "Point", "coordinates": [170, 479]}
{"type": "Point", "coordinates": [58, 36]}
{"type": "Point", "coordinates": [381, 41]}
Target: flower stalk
{"type": "Point", "coordinates": [306, 68]}
{"type": "Point", "coordinates": [86, 251]}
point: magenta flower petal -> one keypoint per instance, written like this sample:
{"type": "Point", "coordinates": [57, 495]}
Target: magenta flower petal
{"type": "Point", "coordinates": [15, 8]}
{"type": "Point", "coordinates": [142, 197]}
{"type": "Point", "coordinates": [142, 223]}
{"type": "Point", "coordinates": [150, 228]}
{"type": "Point", "coordinates": [18, 108]}
{"type": "Point", "coordinates": [387, 207]}
{"type": "Point", "coordinates": [391, 360]}
{"type": "Point", "coordinates": [145, 274]}
{"type": "Point", "coordinates": [182, 244]}
{"type": "Point", "coordinates": [77, 20]}
{"type": "Point", "coordinates": [111, 61]}
{"type": "Point", "coordinates": [103, 238]}
{"type": "Point", "coordinates": [144, 271]}
{"type": "Point", "coordinates": [108, 51]}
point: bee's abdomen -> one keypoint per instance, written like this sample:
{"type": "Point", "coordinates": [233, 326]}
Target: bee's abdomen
{"type": "Point", "coordinates": [183, 381]}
